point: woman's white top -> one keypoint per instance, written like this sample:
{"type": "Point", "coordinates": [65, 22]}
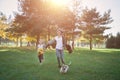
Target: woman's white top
{"type": "Point", "coordinates": [59, 42]}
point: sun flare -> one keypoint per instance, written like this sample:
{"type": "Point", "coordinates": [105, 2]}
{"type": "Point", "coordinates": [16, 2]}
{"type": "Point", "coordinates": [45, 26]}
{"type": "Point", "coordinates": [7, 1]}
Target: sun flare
{"type": "Point", "coordinates": [60, 2]}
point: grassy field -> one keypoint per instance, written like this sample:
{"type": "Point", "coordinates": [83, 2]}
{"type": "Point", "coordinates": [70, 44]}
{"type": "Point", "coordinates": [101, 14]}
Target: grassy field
{"type": "Point", "coordinates": [23, 64]}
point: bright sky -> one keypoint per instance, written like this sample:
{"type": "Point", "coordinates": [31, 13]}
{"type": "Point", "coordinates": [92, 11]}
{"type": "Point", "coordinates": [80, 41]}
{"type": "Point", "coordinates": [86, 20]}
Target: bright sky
{"type": "Point", "coordinates": [8, 6]}
{"type": "Point", "coordinates": [104, 5]}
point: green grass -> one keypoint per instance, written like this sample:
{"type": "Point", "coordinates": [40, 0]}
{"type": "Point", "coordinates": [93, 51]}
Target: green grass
{"type": "Point", "coordinates": [23, 64]}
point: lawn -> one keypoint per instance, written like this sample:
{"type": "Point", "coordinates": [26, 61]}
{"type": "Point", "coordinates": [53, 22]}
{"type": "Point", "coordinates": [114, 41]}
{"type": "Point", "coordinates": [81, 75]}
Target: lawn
{"type": "Point", "coordinates": [23, 64]}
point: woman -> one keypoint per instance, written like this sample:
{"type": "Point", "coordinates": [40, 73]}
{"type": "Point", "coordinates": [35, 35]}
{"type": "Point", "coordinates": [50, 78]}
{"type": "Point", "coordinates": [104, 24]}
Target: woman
{"type": "Point", "coordinates": [60, 42]}
{"type": "Point", "coordinates": [59, 47]}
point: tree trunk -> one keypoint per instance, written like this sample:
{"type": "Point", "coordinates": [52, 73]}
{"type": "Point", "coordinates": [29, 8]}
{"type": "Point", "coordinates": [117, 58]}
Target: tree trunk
{"type": "Point", "coordinates": [38, 37]}
{"type": "Point", "coordinates": [73, 41]}
{"type": "Point", "coordinates": [20, 42]}
{"type": "Point", "coordinates": [0, 40]}
{"type": "Point", "coordinates": [90, 41]}
{"type": "Point", "coordinates": [28, 44]}
{"type": "Point", "coordinates": [49, 33]}
{"type": "Point", "coordinates": [17, 41]}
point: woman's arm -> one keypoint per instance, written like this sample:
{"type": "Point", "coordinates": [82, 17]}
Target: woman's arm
{"type": "Point", "coordinates": [50, 43]}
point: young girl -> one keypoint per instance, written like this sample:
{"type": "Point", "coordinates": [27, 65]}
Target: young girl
{"type": "Point", "coordinates": [41, 50]}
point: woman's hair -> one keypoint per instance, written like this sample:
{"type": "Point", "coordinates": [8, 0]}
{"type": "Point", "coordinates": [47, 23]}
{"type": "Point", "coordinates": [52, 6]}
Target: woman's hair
{"type": "Point", "coordinates": [59, 30]}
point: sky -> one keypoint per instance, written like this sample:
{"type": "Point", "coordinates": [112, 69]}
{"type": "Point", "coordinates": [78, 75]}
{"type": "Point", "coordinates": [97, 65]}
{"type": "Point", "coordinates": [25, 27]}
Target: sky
{"type": "Point", "coordinates": [104, 5]}
{"type": "Point", "coordinates": [8, 6]}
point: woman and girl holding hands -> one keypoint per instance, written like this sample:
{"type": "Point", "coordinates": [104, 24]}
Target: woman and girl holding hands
{"type": "Point", "coordinates": [60, 44]}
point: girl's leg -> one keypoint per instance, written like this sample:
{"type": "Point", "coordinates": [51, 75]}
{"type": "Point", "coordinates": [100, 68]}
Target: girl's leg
{"type": "Point", "coordinates": [39, 58]}
{"type": "Point", "coordinates": [42, 56]}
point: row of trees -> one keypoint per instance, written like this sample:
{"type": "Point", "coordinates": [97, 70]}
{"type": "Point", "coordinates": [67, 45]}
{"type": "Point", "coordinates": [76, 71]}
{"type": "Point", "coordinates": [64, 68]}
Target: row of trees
{"type": "Point", "coordinates": [113, 41]}
{"type": "Point", "coordinates": [40, 18]}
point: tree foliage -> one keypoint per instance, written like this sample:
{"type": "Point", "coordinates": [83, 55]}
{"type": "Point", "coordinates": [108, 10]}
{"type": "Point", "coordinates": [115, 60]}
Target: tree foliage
{"type": "Point", "coordinates": [113, 41]}
{"type": "Point", "coordinates": [94, 23]}
{"type": "Point", "coordinates": [38, 15]}
{"type": "Point", "coordinates": [3, 26]}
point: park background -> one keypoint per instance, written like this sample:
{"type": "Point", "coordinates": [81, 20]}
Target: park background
{"type": "Point", "coordinates": [91, 28]}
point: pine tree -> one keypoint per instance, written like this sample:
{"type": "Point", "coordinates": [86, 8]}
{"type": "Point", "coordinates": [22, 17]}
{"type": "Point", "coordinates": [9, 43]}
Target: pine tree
{"type": "Point", "coordinates": [94, 23]}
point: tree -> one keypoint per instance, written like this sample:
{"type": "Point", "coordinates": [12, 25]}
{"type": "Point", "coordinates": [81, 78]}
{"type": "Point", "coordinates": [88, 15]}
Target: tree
{"type": "Point", "coordinates": [117, 40]}
{"type": "Point", "coordinates": [113, 41]}
{"type": "Point", "coordinates": [110, 43]}
{"type": "Point", "coordinates": [70, 18]}
{"type": "Point", "coordinates": [17, 28]}
{"type": "Point", "coordinates": [41, 14]}
{"type": "Point", "coordinates": [3, 25]}
{"type": "Point", "coordinates": [37, 16]}
{"type": "Point", "coordinates": [32, 19]}
{"type": "Point", "coordinates": [95, 23]}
